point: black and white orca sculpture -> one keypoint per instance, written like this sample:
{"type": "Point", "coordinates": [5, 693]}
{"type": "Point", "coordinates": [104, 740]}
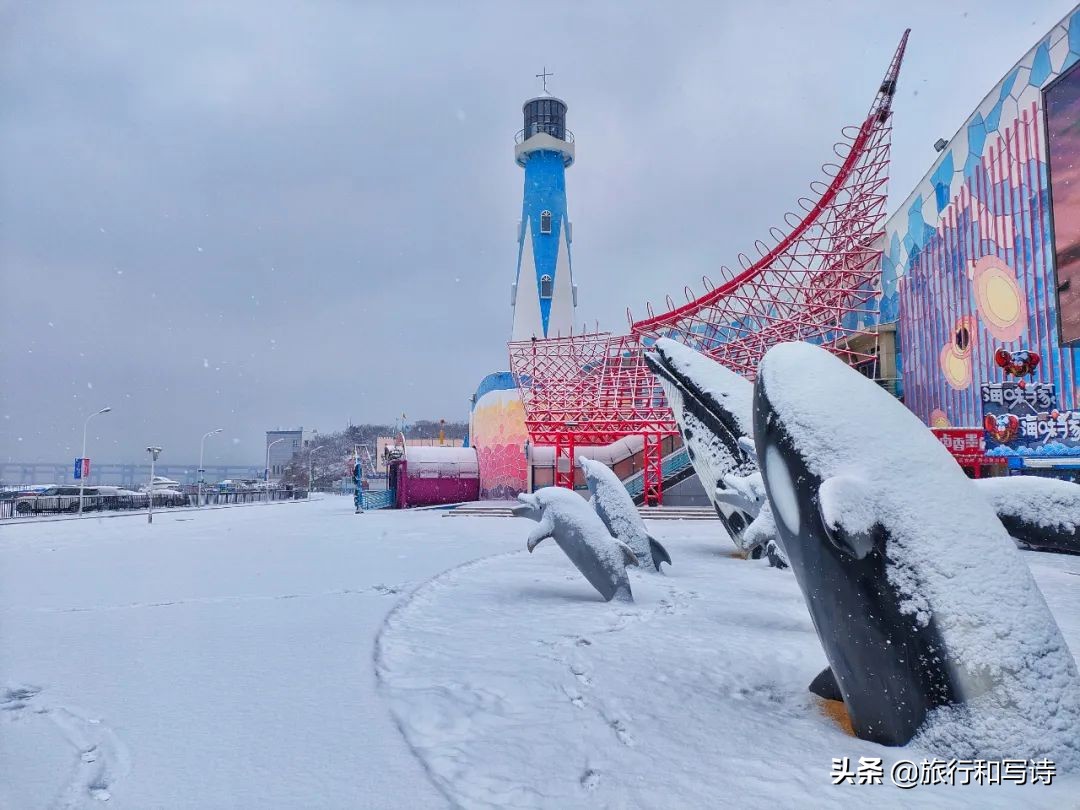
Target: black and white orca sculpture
{"type": "Point", "coordinates": [713, 407]}
{"type": "Point", "coordinates": [931, 621]}
{"type": "Point", "coordinates": [1042, 513]}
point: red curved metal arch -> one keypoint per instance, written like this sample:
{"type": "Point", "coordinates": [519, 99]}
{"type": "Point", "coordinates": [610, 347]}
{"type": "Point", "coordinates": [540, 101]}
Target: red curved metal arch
{"type": "Point", "coordinates": [848, 208]}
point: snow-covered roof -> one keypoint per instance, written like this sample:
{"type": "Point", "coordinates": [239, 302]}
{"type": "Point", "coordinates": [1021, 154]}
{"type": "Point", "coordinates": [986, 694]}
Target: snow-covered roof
{"type": "Point", "coordinates": [446, 455]}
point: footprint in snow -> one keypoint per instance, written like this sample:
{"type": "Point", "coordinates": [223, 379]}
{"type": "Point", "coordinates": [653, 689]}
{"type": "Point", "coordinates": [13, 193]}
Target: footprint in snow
{"type": "Point", "coordinates": [590, 780]}
{"type": "Point", "coordinates": [101, 758]}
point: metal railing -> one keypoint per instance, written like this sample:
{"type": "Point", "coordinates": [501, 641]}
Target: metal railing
{"type": "Point", "coordinates": [30, 506]}
{"type": "Point", "coordinates": [378, 499]}
{"type": "Point", "coordinates": [549, 129]}
{"type": "Point", "coordinates": [671, 465]}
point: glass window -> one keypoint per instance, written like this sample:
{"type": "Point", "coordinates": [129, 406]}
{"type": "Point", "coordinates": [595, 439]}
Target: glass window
{"type": "Point", "coordinates": [545, 286]}
{"type": "Point", "coordinates": [545, 222]}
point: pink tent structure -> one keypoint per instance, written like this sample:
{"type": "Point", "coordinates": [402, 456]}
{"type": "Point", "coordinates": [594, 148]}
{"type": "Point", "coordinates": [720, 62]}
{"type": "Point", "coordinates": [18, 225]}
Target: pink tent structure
{"type": "Point", "coordinates": [428, 476]}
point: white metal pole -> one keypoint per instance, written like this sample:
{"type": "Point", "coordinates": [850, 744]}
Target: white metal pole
{"type": "Point", "coordinates": [82, 458]}
{"type": "Point", "coordinates": [150, 493]}
{"type": "Point", "coordinates": [266, 475]}
{"type": "Point", "coordinates": [202, 472]}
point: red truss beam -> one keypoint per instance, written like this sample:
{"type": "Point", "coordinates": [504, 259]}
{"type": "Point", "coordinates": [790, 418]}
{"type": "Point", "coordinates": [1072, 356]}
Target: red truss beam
{"type": "Point", "coordinates": [594, 387]}
{"type": "Point", "coordinates": [819, 279]}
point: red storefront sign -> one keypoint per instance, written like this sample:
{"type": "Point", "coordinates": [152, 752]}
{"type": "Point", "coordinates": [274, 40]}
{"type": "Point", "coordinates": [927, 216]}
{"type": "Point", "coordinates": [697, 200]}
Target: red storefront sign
{"type": "Point", "coordinates": [968, 445]}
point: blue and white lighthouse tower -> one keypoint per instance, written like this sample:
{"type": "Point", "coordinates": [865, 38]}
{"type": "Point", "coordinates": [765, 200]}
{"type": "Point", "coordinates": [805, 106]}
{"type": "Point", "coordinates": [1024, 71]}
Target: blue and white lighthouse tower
{"type": "Point", "coordinates": [544, 295]}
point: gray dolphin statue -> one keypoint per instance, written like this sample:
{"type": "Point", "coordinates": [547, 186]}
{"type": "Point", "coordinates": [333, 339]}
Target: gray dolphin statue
{"type": "Point", "coordinates": [933, 626]}
{"type": "Point", "coordinates": [564, 515]}
{"type": "Point", "coordinates": [616, 508]}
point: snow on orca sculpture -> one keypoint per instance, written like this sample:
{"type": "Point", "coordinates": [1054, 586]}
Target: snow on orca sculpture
{"type": "Point", "coordinates": [931, 621]}
{"type": "Point", "coordinates": [763, 540]}
{"type": "Point", "coordinates": [616, 509]}
{"type": "Point", "coordinates": [564, 515]}
{"type": "Point", "coordinates": [1043, 513]}
{"type": "Point", "coordinates": [713, 407]}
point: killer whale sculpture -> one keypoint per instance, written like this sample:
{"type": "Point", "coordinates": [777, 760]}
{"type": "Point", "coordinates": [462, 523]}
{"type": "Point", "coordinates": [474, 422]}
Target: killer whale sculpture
{"type": "Point", "coordinates": [616, 509]}
{"type": "Point", "coordinates": [713, 409]}
{"type": "Point", "coordinates": [565, 516]}
{"type": "Point", "coordinates": [1043, 513]}
{"type": "Point", "coordinates": [933, 627]}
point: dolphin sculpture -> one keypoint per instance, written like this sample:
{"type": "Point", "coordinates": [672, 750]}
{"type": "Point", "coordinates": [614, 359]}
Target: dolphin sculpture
{"type": "Point", "coordinates": [564, 515]}
{"type": "Point", "coordinates": [616, 509]}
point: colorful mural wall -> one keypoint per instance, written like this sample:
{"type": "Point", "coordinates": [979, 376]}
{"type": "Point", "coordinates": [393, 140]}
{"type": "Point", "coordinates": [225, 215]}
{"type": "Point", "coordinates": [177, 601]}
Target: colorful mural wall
{"type": "Point", "coordinates": [969, 271]}
{"type": "Point", "coordinates": [498, 433]}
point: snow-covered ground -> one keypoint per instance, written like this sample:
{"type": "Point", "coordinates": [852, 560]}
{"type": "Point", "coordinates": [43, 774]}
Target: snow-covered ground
{"type": "Point", "coordinates": [297, 655]}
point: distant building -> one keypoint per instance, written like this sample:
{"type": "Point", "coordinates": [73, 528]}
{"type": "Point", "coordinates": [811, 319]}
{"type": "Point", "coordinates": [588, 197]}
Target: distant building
{"type": "Point", "coordinates": [281, 453]}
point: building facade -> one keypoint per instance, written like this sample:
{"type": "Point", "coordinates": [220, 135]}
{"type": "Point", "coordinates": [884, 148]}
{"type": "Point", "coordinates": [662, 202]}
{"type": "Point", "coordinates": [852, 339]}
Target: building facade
{"type": "Point", "coordinates": [981, 266]}
{"type": "Point", "coordinates": [282, 445]}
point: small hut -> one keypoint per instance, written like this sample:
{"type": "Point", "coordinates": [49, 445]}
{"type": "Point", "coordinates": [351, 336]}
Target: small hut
{"type": "Point", "coordinates": [428, 476]}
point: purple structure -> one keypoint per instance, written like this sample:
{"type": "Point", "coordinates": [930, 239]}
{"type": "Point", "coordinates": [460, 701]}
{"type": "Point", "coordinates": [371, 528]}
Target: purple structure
{"type": "Point", "coordinates": [428, 476]}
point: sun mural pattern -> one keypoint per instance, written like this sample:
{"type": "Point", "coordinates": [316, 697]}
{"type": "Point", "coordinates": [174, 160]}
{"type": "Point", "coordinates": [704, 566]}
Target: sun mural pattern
{"type": "Point", "coordinates": [499, 436]}
{"type": "Point", "coordinates": [969, 260]}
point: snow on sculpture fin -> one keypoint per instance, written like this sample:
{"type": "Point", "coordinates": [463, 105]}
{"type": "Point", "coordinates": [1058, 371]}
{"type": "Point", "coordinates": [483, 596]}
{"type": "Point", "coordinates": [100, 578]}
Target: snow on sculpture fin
{"type": "Point", "coordinates": [733, 497]}
{"type": "Point", "coordinates": [659, 553]}
{"type": "Point", "coordinates": [746, 444]}
{"type": "Point", "coordinates": [825, 685]}
{"type": "Point", "coordinates": [529, 507]}
{"type": "Point", "coordinates": [629, 557]}
{"type": "Point", "coordinates": [541, 532]}
{"type": "Point", "coordinates": [847, 512]}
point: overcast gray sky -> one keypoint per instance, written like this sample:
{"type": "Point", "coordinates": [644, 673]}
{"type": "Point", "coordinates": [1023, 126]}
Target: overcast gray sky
{"type": "Point", "coordinates": [260, 214]}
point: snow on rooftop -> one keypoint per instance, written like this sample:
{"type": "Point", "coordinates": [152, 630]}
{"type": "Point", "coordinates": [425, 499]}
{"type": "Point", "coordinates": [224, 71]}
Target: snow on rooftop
{"type": "Point", "coordinates": [446, 455]}
{"type": "Point", "coordinates": [949, 558]}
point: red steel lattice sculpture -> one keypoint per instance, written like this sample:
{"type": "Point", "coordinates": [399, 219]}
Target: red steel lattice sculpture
{"type": "Point", "coordinates": [591, 389]}
{"type": "Point", "coordinates": [819, 280]}
{"type": "Point", "coordinates": [817, 283]}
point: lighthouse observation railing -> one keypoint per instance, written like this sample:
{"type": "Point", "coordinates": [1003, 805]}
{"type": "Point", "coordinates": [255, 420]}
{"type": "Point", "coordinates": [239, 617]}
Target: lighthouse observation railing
{"type": "Point", "coordinates": [548, 129]}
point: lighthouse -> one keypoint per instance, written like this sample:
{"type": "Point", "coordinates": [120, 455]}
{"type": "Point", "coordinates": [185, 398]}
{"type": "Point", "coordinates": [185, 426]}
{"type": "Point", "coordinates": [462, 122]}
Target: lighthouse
{"type": "Point", "coordinates": [544, 296]}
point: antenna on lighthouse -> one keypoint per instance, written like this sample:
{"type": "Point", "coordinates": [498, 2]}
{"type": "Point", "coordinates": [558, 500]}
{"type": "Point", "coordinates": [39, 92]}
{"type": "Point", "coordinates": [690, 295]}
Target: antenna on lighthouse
{"type": "Point", "coordinates": [544, 77]}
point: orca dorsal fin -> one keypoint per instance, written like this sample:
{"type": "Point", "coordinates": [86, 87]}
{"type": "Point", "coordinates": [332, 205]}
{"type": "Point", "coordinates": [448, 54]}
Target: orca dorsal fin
{"type": "Point", "coordinates": [848, 513]}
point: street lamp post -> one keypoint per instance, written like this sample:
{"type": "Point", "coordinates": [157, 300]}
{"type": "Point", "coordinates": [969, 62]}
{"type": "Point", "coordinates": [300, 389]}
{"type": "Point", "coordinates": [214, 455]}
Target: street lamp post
{"type": "Point", "coordinates": [154, 453]}
{"type": "Point", "coordinates": [266, 475]}
{"type": "Point", "coordinates": [82, 478]}
{"type": "Point", "coordinates": [202, 472]}
{"type": "Point", "coordinates": [311, 469]}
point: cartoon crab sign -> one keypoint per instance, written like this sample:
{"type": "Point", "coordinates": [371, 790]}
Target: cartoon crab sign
{"type": "Point", "coordinates": [1002, 428]}
{"type": "Point", "coordinates": [1020, 364]}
